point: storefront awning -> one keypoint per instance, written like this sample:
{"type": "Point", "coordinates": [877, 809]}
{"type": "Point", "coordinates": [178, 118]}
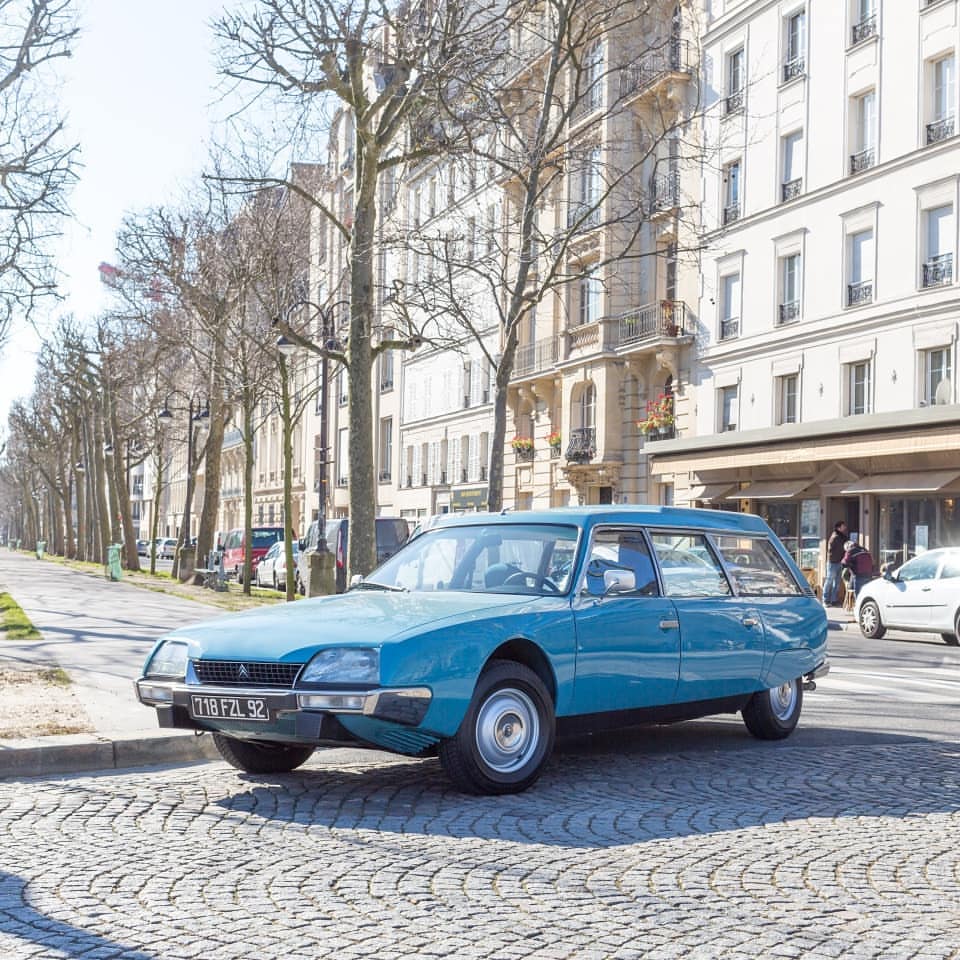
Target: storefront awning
{"type": "Point", "coordinates": [770, 490]}
{"type": "Point", "coordinates": [919, 482]}
{"type": "Point", "coordinates": [708, 492]}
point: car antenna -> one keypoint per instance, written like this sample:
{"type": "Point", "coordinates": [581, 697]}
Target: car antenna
{"type": "Point", "coordinates": [504, 511]}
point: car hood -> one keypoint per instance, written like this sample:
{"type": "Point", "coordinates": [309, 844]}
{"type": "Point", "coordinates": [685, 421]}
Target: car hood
{"type": "Point", "coordinates": [361, 618]}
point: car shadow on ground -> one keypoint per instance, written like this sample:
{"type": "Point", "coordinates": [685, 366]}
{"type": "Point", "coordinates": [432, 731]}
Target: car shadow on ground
{"type": "Point", "coordinates": [627, 787]}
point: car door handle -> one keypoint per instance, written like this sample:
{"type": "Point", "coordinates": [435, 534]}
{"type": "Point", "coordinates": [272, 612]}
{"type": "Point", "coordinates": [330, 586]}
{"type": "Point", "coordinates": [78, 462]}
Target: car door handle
{"type": "Point", "coordinates": [669, 624]}
{"type": "Point", "coordinates": [749, 621]}
{"type": "Point", "coordinates": [926, 589]}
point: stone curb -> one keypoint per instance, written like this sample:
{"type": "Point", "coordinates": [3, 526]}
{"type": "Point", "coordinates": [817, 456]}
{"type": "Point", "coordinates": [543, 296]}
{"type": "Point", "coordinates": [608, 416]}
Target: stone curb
{"type": "Point", "coordinates": [42, 756]}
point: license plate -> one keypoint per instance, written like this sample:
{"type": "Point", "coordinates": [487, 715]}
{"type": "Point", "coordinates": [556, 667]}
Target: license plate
{"type": "Point", "coordinates": [229, 708]}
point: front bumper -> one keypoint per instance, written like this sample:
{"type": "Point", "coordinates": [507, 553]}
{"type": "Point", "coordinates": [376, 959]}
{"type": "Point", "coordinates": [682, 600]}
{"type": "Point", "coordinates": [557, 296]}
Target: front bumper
{"type": "Point", "coordinates": [405, 705]}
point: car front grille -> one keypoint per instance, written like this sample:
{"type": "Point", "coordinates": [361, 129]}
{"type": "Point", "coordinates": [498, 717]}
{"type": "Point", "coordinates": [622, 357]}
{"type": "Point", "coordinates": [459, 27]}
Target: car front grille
{"type": "Point", "coordinates": [246, 673]}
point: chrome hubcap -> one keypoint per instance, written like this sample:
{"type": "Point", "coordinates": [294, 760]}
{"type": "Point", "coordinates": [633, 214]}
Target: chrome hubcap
{"type": "Point", "coordinates": [783, 700]}
{"type": "Point", "coordinates": [508, 728]}
{"type": "Point", "coordinates": [868, 618]}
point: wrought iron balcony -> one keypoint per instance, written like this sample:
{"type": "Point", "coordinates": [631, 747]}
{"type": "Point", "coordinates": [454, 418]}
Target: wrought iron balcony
{"type": "Point", "coordinates": [655, 64]}
{"type": "Point", "coordinates": [789, 311]}
{"type": "Point", "coordinates": [731, 213]}
{"type": "Point", "coordinates": [582, 447]}
{"type": "Point", "coordinates": [734, 102]}
{"type": "Point", "coordinates": [730, 328]}
{"type": "Point", "coordinates": [794, 68]}
{"type": "Point", "coordinates": [863, 160]}
{"type": "Point", "coordinates": [939, 130]}
{"type": "Point", "coordinates": [583, 215]}
{"type": "Point", "coordinates": [863, 30]}
{"type": "Point", "coordinates": [384, 476]}
{"type": "Point", "coordinates": [536, 357]}
{"type": "Point", "coordinates": [791, 189]}
{"type": "Point", "coordinates": [667, 318]}
{"type": "Point", "coordinates": [938, 271]}
{"type": "Point", "coordinates": [665, 191]}
{"type": "Point", "coordinates": [859, 292]}
{"type": "Point", "coordinates": [662, 433]}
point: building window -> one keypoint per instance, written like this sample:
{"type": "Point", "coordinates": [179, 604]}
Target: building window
{"type": "Point", "coordinates": [792, 181]}
{"type": "Point", "coordinates": [728, 404]}
{"type": "Point", "coordinates": [343, 394]}
{"type": "Point", "coordinates": [860, 282]}
{"type": "Point", "coordinates": [591, 292]}
{"type": "Point", "coordinates": [938, 260]}
{"type": "Point", "coordinates": [794, 64]}
{"type": "Point", "coordinates": [343, 457]}
{"type": "Point", "coordinates": [386, 364]}
{"type": "Point", "coordinates": [788, 394]}
{"type": "Point", "coordinates": [864, 21]}
{"type": "Point", "coordinates": [731, 192]}
{"type": "Point", "coordinates": [858, 388]}
{"type": "Point", "coordinates": [386, 449]}
{"type": "Point", "coordinates": [864, 117]}
{"type": "Point", "coordinates": [586, 191]}
{"type": "Point", "coordinates": [937, 377]}
{"type": "Point", "coordinates": [789, 289]}
{"type": "Point", "coordinates": [593, 68]}
{"type": "Point", "coordinates": [730, 306]}
{"type": "Point", "coordinates": [736, 78]}
{"type": "Point", "coordinates": [943, 78]}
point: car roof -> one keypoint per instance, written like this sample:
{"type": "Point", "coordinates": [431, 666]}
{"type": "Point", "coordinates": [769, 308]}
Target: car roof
{"type": "Point", "coordinates": [649, 515]}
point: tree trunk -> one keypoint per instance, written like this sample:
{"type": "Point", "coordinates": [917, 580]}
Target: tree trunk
{"type": "Point", "coordinates": [287, 422]}
{"type": "Point", "coordinates": [248, 410]}
{"type": "Point", "coordinates": [155, 517]}
{"type": "Point", "coordinates": [219, 415]}
{"type": "Point", "coordinates": [99, 489]}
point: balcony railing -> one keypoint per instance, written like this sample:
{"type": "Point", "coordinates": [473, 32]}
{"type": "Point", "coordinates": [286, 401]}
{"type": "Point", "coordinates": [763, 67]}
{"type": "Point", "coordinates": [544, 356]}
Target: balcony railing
{"type": "Point", "coordinates": [794, 68]}
{"type": "Point", "coordinates": [730, 328]}
{"type": "Point", "coordinates": [655, 64]}
{"type": "Point", "coordinates": [583, 215]}
{"type": "Point", "coordinates": [859, 292]}
{"type": "Point", "coordinates": [791, 189]}
{"type": "Point", "coordinates": [665, 191]}
{"type": "Point", "coordinates": [789, 311]}
{"type": "Point", "coordinates": [863, 30]}
{"type": "Point", "coordinates": [384, 476]}
{"type": "Point", "coordinates": [664, 319]}
{"type": "Point", "coordinates": [734, 102]}
{"type": "Point", "coordinates": [663, 433]}
{"type": "Point", "coordinates": [939, 130]}
{"type": "Point", "coordinates": [582, 447]}
{"type": "Point", "coordinates": [863, 160]}
{"type": "Point", "coordinates": [536, 357]}
{"type": "Point", "coordinates": [731, 213]}
{"type": "Point", "coordinates": [938, 271]}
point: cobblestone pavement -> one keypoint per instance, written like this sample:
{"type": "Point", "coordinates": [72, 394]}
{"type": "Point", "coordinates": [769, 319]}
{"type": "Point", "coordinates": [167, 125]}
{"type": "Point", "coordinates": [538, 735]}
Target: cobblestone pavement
{"type": "Point", "coordinates": [692, 841]}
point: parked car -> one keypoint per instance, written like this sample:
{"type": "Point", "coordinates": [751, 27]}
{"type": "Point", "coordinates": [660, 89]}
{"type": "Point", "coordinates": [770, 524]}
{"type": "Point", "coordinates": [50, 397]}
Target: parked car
{"type": "Point", "coordinates": [482, 638]}
{"type": "Point", "coordinates": [143, 548]}
{"type": "Point", "coordinates": [234, 549]}
{"type": "Point", "coordinates": [923, 594]}
{"type": "Point", "coordinates": [166, 548]}
{"type": "Point", "coordinates": [391, 533]}
{"type": "Point", "coordinates": [272, 569]}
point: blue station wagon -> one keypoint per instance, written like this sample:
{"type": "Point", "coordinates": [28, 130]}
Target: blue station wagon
{"type": "Point", "coordinates": [486, 636]}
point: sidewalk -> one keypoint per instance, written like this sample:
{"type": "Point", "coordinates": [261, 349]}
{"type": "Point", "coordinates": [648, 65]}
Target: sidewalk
{"type": "Point", "coordinates": [99, 632]}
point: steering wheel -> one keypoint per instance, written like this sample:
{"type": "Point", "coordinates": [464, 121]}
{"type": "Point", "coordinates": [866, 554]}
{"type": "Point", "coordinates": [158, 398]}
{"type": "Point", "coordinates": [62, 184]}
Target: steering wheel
{"type": "Point", "coordinates": [522, 577]}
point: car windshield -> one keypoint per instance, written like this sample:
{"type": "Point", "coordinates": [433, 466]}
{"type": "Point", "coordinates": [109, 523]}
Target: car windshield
{"type": "Point", "coordinates": [264, 538]}
{"type": "Point", "coordinates": [515, 558]}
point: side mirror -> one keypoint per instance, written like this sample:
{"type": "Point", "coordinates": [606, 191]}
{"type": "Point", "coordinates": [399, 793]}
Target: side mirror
{"type": "Point", "coordinates": [355, 580]}
{"type": "Point", "coordinates": [619, 581]}
{"type": "Point", "coordinates": [888, 575]}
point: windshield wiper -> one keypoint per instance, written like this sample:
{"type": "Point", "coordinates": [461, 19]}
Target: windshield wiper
{"type": "Point", "coordinates": [375, 585]}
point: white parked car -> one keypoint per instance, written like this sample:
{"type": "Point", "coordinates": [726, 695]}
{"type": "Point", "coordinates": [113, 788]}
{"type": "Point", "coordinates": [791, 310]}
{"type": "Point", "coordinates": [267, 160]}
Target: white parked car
{"type": "Point", "coordinates": [272, 569]}
{"type": "Point", "coordinates": [923, 595]}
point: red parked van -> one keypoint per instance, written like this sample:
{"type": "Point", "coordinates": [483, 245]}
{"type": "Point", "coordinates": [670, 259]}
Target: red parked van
{"type": "Point", "coordinates": [233, 549]}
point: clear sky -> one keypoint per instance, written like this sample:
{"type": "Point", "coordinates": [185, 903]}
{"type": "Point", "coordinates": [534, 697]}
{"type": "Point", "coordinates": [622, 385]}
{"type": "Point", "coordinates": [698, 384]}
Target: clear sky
{"type": "Point", "coordinates": [139, 93]}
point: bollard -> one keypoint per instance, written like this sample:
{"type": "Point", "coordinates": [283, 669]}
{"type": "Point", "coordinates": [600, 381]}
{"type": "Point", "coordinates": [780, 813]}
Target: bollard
{"type": "Point", "coordinates": [41, 547]}
{"type": "Point", "coordinates": [113, 561]}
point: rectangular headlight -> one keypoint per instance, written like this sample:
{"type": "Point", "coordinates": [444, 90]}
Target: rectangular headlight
{"type": "Point", "coordinates": [352, 702]}
{"type": "Point", "coordinates": [344, 665]}
{"type": "Point", "coordinates": [170, 660]}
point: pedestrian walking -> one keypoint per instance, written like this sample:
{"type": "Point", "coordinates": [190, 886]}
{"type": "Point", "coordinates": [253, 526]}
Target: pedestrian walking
{"type": "Point", "coordinates": [859, 562]}
{"type": "Point", "coordinates": [836, 548]}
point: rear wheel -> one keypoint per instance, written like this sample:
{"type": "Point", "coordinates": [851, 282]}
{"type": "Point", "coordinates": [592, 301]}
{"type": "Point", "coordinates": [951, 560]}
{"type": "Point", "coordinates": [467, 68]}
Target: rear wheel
{"type": "Point", "coordinates": [507, 734]}
{"type": "Point", "coordinates": [953, 638]}
{"type": "Point", "coordinates": [261, 756]}
{"type": "Point", "coordinates": [772, 714]}
{"type": "Point", "coordinates": [871, 626]}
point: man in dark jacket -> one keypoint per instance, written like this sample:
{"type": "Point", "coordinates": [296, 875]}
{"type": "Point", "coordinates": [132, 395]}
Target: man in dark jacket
{"type": "Point", "coordinates": [858, 561]}
{"type": "Point", "coordinates": [835, 552]}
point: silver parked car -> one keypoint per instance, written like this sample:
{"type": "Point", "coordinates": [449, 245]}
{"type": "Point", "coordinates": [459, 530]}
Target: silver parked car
{"type": "Point", "coordinates": [922, 595]}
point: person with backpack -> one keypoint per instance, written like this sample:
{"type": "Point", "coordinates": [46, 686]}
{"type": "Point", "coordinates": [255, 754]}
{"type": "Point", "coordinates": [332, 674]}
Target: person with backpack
{"type": "Point", "coordinates": [858, 561]}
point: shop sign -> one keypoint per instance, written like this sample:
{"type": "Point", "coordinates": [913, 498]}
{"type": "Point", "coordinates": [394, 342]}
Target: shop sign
{"type": "Point", "coordinates": [474, 498]}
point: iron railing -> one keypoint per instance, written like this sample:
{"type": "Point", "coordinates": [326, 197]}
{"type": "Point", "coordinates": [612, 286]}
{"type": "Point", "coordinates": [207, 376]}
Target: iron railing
{"type": "Point", "coordinates": [796, 67]}
{"type": "Point", "coordinates": [733, 102]}
{"type": "Point", "coordinates": [730, 328]}
{"type": "Point", "coordinates": [862, 160]}
{"type": "Point", "coordinates": [789, 311]}
{"type": "Point", "coordinates": [667, 318]}
{"type": "Point", "coordinates": [655, 64]}
{"type": "Point", "coordinates": [731, 213]}
{"type": "Point", "coordinates": [583, 215]}
{"type": "Point", "coordinates": [536, 357]}
{"type": "Point", "coordinates": [939, 130]}
{"type": "Point", "coordinates": [582, 447]}
{"type": "Point", "coordinates": [859, 292]}
{"type": "Point", "coordinates": [665, 191]}
{"type": "Point", "coordinates": [791, 189]}
{"type": "Point", "coordinates": [938, 270]}
{"type": "Point", "coordinates": [863, 30]}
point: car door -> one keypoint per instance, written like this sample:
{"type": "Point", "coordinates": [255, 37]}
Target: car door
{"type": "Point", "coordinates": [909, 598]}
{"type": "Point", "coordinates": [628, 637]}
{"type": "Point", "coordinates": [945, 593]}
{"type": "Point", "coordinates": [721, 634]}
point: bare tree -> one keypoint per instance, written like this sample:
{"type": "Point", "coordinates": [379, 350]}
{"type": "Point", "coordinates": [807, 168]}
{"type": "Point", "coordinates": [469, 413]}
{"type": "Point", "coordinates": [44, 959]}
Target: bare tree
{"type": "Point", "coordinates": [36, 167]}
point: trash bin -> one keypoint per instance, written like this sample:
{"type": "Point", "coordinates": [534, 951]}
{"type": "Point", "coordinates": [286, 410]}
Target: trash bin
{"type": "Point", "coordinates": [113, 561]}
{"type": "Point", "coordinates": [41, 548]}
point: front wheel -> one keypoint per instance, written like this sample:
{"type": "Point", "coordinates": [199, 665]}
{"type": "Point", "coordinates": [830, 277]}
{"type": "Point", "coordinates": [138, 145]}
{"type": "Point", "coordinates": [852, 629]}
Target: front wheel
{"type": "Point", "coordinates": [261, 756]}
{"type": "Point", "coordinates": [772, 714]}
{"type": "Point", "coordinates": [871, 626]}
{"type": "Point", "coordinates": [507, 734]}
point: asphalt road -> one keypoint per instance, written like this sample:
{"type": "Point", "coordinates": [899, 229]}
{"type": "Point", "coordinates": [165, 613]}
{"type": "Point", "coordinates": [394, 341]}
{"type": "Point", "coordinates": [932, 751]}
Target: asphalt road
{"type": "Point", "coordinates": [689, 841]}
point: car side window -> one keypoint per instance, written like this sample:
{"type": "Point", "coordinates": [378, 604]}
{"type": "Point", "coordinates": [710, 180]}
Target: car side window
{"type": "Point", "coordinates": [951, 568]}
{"type": "Point", "coordinates": [923, 567]}
{"type": "Point", "coordinates": [688, 566]}
{"type": "Point", "coordinates": [618, 550]}
{"type": "Point", "coordinates": [756, 567]}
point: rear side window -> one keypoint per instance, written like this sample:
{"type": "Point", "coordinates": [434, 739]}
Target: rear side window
{"type": "Point", "coordinates": [951, 568]}
{"type": "Point", "coordinates": [688, 566]}
{"type": "Point", "coordinates": [756, 567]}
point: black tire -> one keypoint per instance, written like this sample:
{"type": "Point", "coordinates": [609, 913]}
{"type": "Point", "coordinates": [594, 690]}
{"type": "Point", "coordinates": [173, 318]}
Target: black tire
{"type": "Point", "coordinates": [485, 755]}
{"type": "Point", "coordinates": [772, 714]}
{"type": "Point", "coordinates": [953, 639]}
{"type": "Point", "coordinates": [261, 756]}
{"type": "Point", "coordinates": [871, 626]}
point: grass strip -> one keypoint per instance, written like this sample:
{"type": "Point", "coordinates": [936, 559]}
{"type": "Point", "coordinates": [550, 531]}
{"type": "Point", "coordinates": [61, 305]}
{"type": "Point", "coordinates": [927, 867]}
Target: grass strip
{"type": "Point", "coordinates": [15, 625]}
